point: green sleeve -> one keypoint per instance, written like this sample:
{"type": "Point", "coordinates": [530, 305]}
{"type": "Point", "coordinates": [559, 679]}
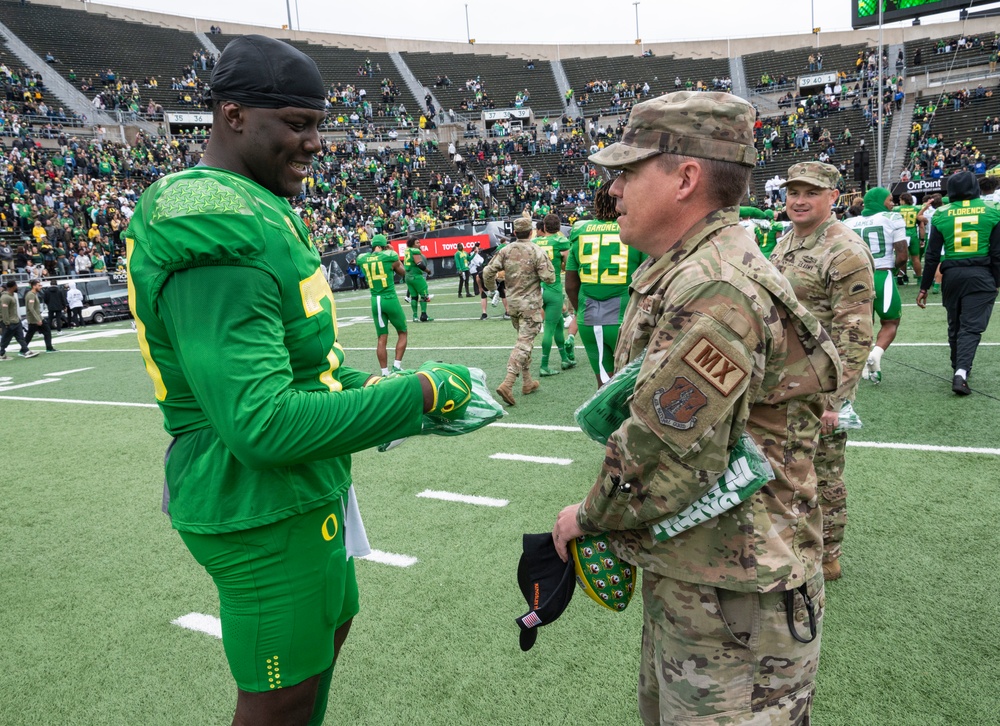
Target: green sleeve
{"type": "Point", "coordinates": [755, 213]}
{"type": "Point", "coordinates": [225, 324]}
{"type": "Point", "coordinates": [572, 261]}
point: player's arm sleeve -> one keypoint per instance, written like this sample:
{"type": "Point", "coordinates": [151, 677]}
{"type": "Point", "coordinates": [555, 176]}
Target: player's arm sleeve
{"type": "Point", "coordinates": [225, 323]}
{"type": "Point", "coordinates": [932, 256]}
{"type": "Point", "coordinates": [851, 282]}
{"type": "Point", "coordinates": [690, 404]}
{"type": "Point", "coordinates": [572, 287]}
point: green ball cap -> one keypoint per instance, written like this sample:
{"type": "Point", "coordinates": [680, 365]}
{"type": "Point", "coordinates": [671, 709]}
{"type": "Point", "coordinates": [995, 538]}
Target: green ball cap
{"type": "Point", "coordinates": [605, 578]}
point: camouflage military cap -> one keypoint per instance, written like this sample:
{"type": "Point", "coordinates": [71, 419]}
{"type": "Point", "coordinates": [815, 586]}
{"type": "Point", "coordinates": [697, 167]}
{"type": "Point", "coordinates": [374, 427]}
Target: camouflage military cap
{"type": "Point", "coordinates": [705, 125]}
{"type": "Point", "coordinates": [814, 173]}
{"type": "Point", "coordinates": [522, 225]}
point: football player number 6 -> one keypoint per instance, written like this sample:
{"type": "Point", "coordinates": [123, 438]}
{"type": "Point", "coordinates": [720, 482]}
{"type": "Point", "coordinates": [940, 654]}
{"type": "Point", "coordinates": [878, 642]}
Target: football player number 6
{"type": "Point", "coordinates": [966, 240]}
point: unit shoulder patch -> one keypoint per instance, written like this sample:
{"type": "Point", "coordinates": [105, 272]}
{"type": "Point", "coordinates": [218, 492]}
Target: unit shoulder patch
{"type": "Point", "coordinates": [715, 366]}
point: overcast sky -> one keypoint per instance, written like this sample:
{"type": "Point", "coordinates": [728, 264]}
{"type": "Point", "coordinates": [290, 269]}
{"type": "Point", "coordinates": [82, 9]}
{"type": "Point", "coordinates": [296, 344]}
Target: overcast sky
{"type": "Point", "coordinates": [529, 21]}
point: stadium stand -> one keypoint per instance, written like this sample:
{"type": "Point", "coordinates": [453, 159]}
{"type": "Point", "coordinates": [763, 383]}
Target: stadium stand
{"type": "Point", "coordinates": [950, 52]}
{"type": "Point", "coordinates": [79, 42]}
{"type": "Point", "coordinates": [945, 139]}
{"type": "Point", "coordinates": [382, 172]}
{"type": "Point", "coordinates": [792, 63]}
{"type": "Point", "coordinates": [662, 73]}
{"type": "Point", "coordinates": [501, 78]}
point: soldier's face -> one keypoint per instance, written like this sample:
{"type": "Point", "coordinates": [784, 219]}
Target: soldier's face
{"type": "Point", "coordinates": [808, 206]}
{"type": "Point", "coordinates": [645, 197]}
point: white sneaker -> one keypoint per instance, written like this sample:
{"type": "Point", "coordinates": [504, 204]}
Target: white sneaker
{"type": "Point", "coordinates": [29, 354]}
{"type": "Point", "coordinates": [496, 298]}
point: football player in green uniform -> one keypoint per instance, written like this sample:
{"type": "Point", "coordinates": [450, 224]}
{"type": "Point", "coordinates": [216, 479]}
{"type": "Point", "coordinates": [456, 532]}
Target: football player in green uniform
{"type": "Point", "coordinates": [379, 265]}
{"type": "Point", "coordinates": [238, 331]}
{"type": "Point", "coordinates": [884, 231]}
{"type": "Point", "coordinates": [599, 269]}
{"type": "Point", "coordinates": [416, 280]}
{"type": "Point", "coordinates": [462, 268]}
{"type": "Point", "coordinates": [914, 232]}
{"type": "Point", "coordinates": [556, 246]}
{"type": "Point", "coordinates": [965, 238]}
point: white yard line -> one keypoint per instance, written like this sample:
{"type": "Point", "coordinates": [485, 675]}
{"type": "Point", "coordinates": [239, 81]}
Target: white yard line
{"type": "Point", "coordinates": [388, 558]}
{"type": "Point", "coordinates": [464, 498]}
{"type": "Point", "coordinates": [201, 623]}
{"type": "Point", "coordinates": [536, 427]}
{"type": "Point", "coordinates": [27, 385]}
{"type": "Point", "coordinates": [66, 373]}
{"type": "Point", "coordinates": [925, 447]}
{"type": "Point", "coordinates": [79, 401]}
{"type": "Point", "coordinates": [532, 459]}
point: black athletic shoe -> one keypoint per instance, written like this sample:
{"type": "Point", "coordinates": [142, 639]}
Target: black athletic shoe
{"type": "Point", "coordinates": [483, 316]}
{"type": "Point", "coordinates": [960, 386]}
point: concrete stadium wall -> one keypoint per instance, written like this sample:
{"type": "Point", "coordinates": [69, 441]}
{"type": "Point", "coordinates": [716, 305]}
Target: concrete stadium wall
{"type": "Point", "coordinates": [684, 49]}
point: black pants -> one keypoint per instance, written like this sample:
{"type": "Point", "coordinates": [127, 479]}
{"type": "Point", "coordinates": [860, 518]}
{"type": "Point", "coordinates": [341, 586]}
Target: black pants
{"type": "Point", "coordinates": [463, 279]}
{"type": "Point", "coordinates": [76, 316]}
{"type": "Point", "coordinates": [13, 330]}
{"type": "Point", "coordinates": [968, 294]}
{"type": "Point", "coordinates": [55, 318]}
{"type": "Point", "coordinates": [46, 333]}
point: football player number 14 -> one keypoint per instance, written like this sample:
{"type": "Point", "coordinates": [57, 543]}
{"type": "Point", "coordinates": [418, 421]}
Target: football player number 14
{"type": "Point", "coordinates": [592, 246]}
{"type": "Point", "coordinates": [375, 271]}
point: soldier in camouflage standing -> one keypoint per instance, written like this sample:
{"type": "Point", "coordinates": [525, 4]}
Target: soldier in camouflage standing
{"type": "Point", "coordinates": [733, 607]}
{"type": "Point", "coordinates": [832, 272]}
{"type": "Point", "coordinates": [526, 266]}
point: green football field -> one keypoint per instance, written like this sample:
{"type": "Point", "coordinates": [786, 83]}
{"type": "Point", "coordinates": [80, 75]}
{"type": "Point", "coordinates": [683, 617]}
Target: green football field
{"type": "Point", "coordinates": [93, 577]}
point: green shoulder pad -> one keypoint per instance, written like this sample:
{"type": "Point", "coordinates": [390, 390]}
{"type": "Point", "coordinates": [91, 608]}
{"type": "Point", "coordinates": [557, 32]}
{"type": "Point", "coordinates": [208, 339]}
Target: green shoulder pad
{"type": "Point", "coordinates": [200, 216]}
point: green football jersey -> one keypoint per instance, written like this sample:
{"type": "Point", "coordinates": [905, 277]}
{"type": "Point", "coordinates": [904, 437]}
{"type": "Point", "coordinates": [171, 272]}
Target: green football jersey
{"type": "Point", "coordinates": [605, 263]}
{"type": "Point", "coordinates": [238, 331]}
{"type": "Point", "coordinates": [909, 213]}
{"type": "Point", "coordinates": [966, 227]}
{"type": "Point", "coordinates": [378, 271]}
{"type": "Point", "coordinates": [554, 245]}
{"type": "Point", "coordinates": [408, 261]}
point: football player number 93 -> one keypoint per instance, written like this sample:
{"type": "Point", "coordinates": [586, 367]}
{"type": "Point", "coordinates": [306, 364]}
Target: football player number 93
{"type": "Point", "coordinates": [591, 248]}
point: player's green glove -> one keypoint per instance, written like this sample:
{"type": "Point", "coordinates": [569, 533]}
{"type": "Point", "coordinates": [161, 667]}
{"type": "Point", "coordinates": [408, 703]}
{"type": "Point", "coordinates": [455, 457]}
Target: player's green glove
{"type": "Point", "coordinates": [452, 386]}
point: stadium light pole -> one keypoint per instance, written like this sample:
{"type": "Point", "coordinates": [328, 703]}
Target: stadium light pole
{"type": "Point", "coordinates": [638, 38]}
{"type": "Point", "coordinates": [468, 34]}
{"type": "Point", "coordinates": [288, 8]}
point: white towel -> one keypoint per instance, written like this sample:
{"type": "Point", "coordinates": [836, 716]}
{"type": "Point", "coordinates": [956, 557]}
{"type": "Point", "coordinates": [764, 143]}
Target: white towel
{"type": "Point", "coordinates": [355, 539]}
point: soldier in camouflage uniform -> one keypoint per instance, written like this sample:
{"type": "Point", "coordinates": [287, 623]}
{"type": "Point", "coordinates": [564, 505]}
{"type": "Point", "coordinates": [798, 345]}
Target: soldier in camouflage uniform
{"type": "Point", "coordinates": [525, 266]}
{"type": "Point", "coordinates": [733, 607]}
{"type": "Point", "coordinates": [832, 272]}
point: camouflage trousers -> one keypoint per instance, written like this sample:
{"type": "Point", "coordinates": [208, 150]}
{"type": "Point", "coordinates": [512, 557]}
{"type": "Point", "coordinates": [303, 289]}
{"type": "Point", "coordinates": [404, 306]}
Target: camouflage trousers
{"type": "Point", "coordinates": [829, 463]}
{"type": "Point", "coordinates": [528, 324]}
{"type": "Point", "coordinates": [721, 657]}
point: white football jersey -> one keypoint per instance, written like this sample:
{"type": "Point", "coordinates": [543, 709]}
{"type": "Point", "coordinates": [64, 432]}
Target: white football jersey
{"type": "Point", "coordinates": [880, 231]}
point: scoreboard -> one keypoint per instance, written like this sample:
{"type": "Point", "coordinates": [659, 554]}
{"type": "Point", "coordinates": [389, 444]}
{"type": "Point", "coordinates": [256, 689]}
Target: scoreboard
{"type": "Point", "coordinates": [865, 12]}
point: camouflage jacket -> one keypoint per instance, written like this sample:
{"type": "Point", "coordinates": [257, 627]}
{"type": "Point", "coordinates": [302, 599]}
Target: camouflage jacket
{"type": "Point", "coordinates": [526, 266]}
{"type": "Point", "coordinates": [832, 273]}
{"type": "Point", "coordinates": [728, 349]}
